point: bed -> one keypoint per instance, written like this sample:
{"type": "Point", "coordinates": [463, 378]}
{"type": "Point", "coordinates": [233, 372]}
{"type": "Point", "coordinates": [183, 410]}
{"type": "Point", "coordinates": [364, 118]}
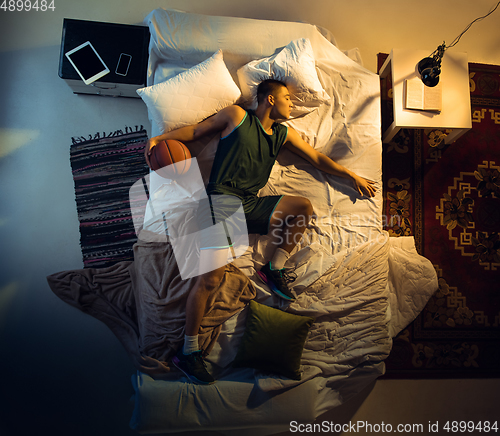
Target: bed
{"type": "Point", "coordinates": [358, 285]}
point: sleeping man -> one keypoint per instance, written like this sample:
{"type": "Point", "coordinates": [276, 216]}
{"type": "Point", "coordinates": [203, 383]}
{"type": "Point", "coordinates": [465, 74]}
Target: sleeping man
{"type": "Point", "coordinates": [249, 145]}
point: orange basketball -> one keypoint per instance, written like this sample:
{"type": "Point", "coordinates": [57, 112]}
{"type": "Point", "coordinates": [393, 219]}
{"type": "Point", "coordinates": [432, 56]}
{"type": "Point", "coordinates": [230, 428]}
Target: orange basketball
{"type": "Point", "coordinates": [170, 158]}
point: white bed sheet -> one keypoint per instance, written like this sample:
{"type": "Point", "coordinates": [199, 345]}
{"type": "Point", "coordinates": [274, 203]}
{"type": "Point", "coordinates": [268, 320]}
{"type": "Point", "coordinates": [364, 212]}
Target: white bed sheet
{"type": "Point", "coordinates": [362, 286]}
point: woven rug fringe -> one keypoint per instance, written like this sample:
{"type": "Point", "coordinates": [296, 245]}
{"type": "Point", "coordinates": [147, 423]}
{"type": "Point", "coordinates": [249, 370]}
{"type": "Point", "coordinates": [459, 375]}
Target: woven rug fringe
{"type": "Point", "coordinates": [99, 135]}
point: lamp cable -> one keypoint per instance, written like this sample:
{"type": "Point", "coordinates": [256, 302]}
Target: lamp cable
{"type": "Point", "coordinates": [455, 41]}
{"type": "Point", "coordinates": [430, 67]}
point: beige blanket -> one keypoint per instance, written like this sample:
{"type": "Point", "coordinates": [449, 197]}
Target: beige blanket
{"type": "Point", "coordinates": [143, 302]}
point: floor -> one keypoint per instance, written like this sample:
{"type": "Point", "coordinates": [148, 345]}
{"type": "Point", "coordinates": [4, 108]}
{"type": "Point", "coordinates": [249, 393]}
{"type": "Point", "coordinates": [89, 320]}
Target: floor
{"type": "Point", "coordinates": [64, 373]}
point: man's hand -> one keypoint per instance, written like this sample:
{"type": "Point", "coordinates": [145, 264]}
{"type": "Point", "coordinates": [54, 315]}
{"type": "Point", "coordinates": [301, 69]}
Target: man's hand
{"type": "Point", "coordinates": [364, 186]}
{"type": "Point", "coordinates": [148, 148]}
{"type": "Point", "coordinates": [298, 146]}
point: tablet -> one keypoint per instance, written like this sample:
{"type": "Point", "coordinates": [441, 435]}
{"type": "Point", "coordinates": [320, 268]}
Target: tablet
{"type": "Point", "coordinates": [87, 62]}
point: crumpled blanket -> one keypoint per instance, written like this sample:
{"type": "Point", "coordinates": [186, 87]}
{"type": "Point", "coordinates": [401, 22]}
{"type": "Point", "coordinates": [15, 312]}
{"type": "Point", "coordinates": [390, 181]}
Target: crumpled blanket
{"type": "Point", "coordinates": [349, 302]}
{"type": "Point", "coordinates": [143, 303]}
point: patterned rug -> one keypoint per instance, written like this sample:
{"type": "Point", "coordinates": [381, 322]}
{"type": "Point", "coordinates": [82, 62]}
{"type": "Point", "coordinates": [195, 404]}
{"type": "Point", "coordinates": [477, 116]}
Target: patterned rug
{"type": "Point", "coordinates": [448, 198]}
{"type": "Point", "coordinates": [104, 168]}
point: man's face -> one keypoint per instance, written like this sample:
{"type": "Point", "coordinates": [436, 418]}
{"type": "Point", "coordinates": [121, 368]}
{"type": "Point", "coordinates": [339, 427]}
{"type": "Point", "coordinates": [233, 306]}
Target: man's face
{"type": "Point", "coordinates": [282, 104]}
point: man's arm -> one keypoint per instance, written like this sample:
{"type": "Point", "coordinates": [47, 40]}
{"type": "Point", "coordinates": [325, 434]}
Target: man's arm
{"type": "Point", "coordinates": [222, 121]}
{"type": "Point", "coordinates": [297, 145]}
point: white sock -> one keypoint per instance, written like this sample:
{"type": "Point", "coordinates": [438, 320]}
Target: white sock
{"type": "Point", "coordinates": [279, 258]}
{"type": "Point", "coordinates": [190, 344]}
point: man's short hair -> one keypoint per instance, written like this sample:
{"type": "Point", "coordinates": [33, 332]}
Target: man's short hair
{"type": "Point", "coordinates": [268, 87]}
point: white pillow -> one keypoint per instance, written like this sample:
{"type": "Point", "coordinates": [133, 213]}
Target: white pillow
{"type": "Point", "coordinates": [192, 95]}
{"type": "Point", "coordinates": [295, 66]}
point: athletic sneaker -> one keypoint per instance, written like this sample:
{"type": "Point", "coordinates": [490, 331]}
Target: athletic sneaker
{"type": "Point", "coordinates": [193, 366]}
{"type": "Point", "coordinates": [277, 280]}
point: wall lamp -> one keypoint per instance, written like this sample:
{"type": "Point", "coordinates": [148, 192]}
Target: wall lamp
{"type": "Point", "coordinates": [429, 68]}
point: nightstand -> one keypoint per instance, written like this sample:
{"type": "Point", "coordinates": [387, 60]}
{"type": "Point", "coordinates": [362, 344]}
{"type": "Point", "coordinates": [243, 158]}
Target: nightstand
{"type": "Point", "coordinates": [454, 78]}
{"type": "Point", "coordinates": [110, 40]}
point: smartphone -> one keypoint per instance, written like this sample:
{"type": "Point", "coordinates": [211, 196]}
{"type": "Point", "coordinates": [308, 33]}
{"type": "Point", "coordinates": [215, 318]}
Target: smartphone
{"type": "Point", "coordinates": [123, 64]}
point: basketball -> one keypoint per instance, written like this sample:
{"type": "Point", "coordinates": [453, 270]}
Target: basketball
{"type": "Point", "coordinates": [170, 158]}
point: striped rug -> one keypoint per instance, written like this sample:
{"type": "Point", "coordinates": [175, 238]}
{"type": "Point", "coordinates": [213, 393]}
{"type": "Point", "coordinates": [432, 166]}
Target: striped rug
{"type": "Point", "coordinates": [104, 168]}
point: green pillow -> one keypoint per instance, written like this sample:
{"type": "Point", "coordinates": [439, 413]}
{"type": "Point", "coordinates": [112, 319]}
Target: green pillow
{"type": "Point", "coordinates": [273, 341]}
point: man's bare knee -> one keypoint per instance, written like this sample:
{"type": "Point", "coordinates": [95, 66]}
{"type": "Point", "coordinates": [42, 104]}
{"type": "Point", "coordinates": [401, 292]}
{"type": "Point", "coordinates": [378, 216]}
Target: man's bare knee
{"type": "Point", "coordinates": [302, 209]}
{"type": "Point", "coordinates": [306, 207]}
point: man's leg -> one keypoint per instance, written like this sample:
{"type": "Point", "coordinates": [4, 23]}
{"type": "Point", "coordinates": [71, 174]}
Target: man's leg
{"type": "Point", "coordinates": [289, 220]}
{"type": "Point", "coordinates": [205, 285]}
{"type": "Point", "coordinates": [189, 359]}
{"type": "Point", "coordinates": [287, 224]}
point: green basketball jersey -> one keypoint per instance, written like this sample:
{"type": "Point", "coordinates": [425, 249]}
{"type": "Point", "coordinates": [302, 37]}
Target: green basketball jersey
{"type": "Point", "coordinates": [244, 158]}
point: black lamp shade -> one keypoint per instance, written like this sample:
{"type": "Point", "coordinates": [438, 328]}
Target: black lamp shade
{"type": "Point", "coordinates": [429, 70]}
